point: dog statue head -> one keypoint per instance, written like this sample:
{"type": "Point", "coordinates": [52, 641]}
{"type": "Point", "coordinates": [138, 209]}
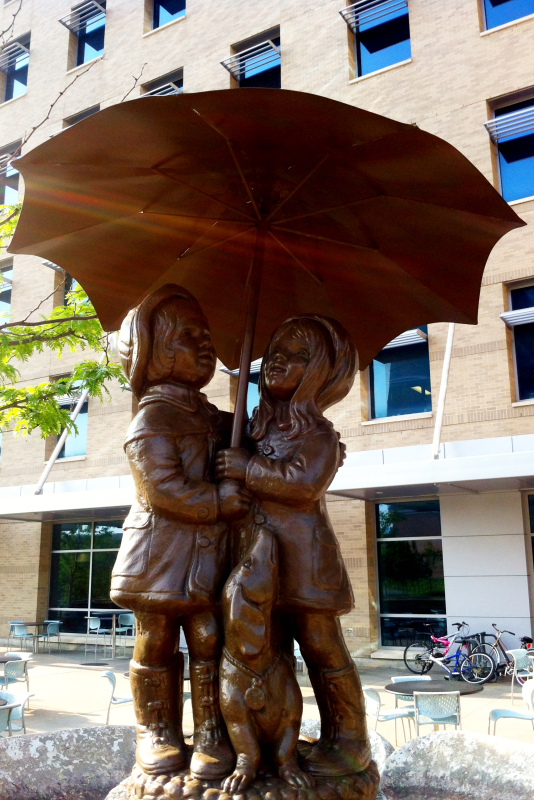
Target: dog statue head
{"type": "Point", "coordinates": [249, 596]}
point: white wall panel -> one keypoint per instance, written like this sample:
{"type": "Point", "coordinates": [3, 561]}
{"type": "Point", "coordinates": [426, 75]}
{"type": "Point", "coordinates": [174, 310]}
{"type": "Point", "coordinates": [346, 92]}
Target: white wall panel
{"type": "Point", "coordinates": [484, 555]}
{"type": "Point", "coordinates": [490, 514]}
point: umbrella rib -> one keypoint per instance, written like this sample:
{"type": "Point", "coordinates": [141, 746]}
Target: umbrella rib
{"type": "Point", "coordinates": [298, 186]}
{"type": "Point", "coordinates": [328, 210]}
{"type": "Point", "coordinates": [214, 244]}
{"type": "Point", "coordinates": [331, 241]}
{"type": "Point", "coordinates": [294, 257]}
{"type": "Point", "coordinates": [204, 194]}
{"type": "Point", "coordinates": [236, 162]}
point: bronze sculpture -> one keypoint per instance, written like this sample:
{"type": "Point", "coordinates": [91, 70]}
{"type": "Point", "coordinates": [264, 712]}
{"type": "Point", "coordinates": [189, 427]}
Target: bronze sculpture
{"type": "Point", "coordinates": [173, 557]}
{"type": "Point", "coordinates": [310, 364]}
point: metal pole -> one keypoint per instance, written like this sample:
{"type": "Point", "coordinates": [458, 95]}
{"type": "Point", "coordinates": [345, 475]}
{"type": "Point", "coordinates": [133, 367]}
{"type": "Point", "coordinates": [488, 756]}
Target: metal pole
{"type": "Point", "coordinates": [436, 444]}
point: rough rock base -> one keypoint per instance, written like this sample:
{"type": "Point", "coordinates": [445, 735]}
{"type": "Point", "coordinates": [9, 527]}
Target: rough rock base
{"type": "Point", "coordinates": [138, 786]}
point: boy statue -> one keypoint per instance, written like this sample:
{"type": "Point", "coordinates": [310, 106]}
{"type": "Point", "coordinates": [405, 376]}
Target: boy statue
{"type": "Point", "coordinates": [173, 561]}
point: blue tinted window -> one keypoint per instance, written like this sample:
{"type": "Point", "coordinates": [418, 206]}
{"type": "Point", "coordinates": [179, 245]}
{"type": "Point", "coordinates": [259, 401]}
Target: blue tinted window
{"type": "Point", "coordinates": [499, 12]}
{"type": "Point", "coordinates": [400, 381]}
{"type": "Point", "coordinates": [91, 39]}
{"type": "Point", "coordinates": [262, 71]}
{"type": "Point", "coordinates": [253, 398]}
{"type": "Point", "coordinates": [382, 40]}
{"type": "Point", "coordinates": [414, 519]}
{"type": "Point", "coordinates": [76, 443]}
{"type": "Point", "coordinates": [524, 359]}
{"type": "Point", "coordinates": [6, 275]}
{"type": "Point", "coordinates": [522, 298]}
{"type": "Point", "coordinates": [167, 10]}
{"type": "Point", "coordinates": [17, 77]}
{"type": "Point", "coordinates": [516, 158]}
{"type": "Point", "coordinates": [9, 186]}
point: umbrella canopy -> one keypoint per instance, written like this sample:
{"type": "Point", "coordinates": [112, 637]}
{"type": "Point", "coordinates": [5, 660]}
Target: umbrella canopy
{"type": "Point", "coordinates": [368, 220]}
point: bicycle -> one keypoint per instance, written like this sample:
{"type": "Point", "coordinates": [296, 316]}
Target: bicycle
{"type": "Point", "coordinates": [420, 658]}
{"type": "Point", "coordinates": [504, 665]}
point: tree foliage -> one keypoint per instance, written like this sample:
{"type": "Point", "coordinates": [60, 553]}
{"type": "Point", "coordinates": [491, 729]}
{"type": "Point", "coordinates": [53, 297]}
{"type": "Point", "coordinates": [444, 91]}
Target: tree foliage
{"type": "Point", "coordinates": [74, 326]}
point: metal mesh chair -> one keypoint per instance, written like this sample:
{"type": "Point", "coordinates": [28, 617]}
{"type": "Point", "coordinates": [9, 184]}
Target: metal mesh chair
{"type": "Point", "coordinates": [94, 626]}
{"type": "Point", "coordinates": [527, 690]}
{"type": "Point", "coordinates": [114, 701]}
{"type": "Point", "coordinates": [12, 628]}
{"type": "Point", "coordinates": [373, 704]}
{"type": "Point", "coordinates": [17, 703]}
{"type": "Point", "coordinates": [21, 632]}
{"type": "Point", "coordinates": [440, 708]}
{"type": "Point", "coordinates": [15, 672]}
{"type": "Point", "coordinates": [523, 666]}
{"type": "Point", "coordinates": [125, 627]}
{"type": "Point", "coordinates": [5, 719]}
{"type": "Point", "coordinates": [407, 698]}
{"type": "Point", "coordinates": [52, 629]}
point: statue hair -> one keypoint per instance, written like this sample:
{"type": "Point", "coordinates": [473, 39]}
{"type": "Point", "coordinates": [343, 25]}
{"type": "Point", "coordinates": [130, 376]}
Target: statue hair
{"type": "Point", "coordinates": [163, 324]}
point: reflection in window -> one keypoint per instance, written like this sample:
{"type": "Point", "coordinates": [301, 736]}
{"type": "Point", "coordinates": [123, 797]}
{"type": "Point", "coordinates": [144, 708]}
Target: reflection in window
{"type": "Point", "coordinates": [166, 11]}
{"type": "Point", "coordinates": [410, 567]}
{"type": "Point", "coordinates": [9, 176]}
{"type": "Point", "coordinates": [6, 277]}
{"type": "Point", "coordinates": [91, 35]}
{"type": "Point", "coordinates": [83, 554]}
{"type": "Point", "coordinates": [514, 135]}
{"type": "Point", "coordinates": [522, 299]}
{"type": "Point", "coordinates": [382, 33]}
{"type": "Point", "coordinates": [499, 12]}
{"type": "Point", "coordinates": [400, 381]}
{"type": "Point", "coordinates": [15, 59]}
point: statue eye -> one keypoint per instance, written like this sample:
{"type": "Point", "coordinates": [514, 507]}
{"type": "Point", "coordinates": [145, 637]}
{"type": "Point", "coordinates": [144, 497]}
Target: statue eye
{"type": "Point", "coordinates": [304, 353]}
{"type": "Point", "coordinates": [248, 563]}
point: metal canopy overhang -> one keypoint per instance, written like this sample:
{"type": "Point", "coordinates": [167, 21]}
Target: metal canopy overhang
{"type": "Point", "coordinates": [426, 477]}
{"type": "Point", "coordinates": [62, 506]}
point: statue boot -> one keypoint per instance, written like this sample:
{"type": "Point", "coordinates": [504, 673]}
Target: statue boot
{"type": "Point", "coordinates": [343, 748]}
{"type": "Point", "coordinates": [213, 756]}
{"type": "Point", "coordinates": [158, 696]}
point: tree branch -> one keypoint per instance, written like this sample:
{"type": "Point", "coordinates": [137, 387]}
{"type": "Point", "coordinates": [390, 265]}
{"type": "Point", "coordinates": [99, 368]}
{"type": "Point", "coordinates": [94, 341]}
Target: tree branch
{"type": "Point", "coordinates": [136, 81]}
{"type": "Point", "coordinates": [9, 30]}
{"type": "Point", "coordinates": [8, 325]}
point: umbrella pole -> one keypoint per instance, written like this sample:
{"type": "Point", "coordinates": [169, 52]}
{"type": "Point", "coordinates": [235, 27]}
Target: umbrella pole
{"type": "Point", "coordinates": [251, 311]}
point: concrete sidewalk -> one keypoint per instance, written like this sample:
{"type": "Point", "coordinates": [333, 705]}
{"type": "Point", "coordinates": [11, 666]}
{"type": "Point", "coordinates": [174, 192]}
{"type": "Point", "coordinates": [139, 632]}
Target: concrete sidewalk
{"type": "Point", "coordinates": [70, 694]}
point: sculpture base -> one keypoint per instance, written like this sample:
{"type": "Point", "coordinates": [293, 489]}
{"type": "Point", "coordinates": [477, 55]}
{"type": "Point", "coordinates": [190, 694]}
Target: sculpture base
{"type": "Point", "coordinates": [361, 786]}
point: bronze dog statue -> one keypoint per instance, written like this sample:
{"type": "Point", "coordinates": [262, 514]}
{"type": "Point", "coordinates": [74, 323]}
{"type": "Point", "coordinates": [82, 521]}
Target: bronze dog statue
{"type": "Point", "coordinates": [260, 698]}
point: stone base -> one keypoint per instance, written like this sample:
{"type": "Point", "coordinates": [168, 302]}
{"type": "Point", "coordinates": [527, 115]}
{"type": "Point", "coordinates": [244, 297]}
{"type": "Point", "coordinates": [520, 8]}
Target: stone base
{"type": "Point", "coordinates": [138, 786]}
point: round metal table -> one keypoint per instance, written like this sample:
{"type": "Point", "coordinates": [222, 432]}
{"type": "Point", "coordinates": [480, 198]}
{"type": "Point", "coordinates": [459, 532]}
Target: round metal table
{"type": "Point", "coordinates": [408, 687]}
{"type": "Point", "coordinates": [5, 659]}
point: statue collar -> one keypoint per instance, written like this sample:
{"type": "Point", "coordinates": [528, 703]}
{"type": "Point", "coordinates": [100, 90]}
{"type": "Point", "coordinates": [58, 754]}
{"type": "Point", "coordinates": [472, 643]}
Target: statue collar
{"type": "Point", "coordinates": [183, 397]}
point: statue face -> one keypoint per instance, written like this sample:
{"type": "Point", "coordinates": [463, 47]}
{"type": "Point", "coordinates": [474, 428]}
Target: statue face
{"type": "Point", "coordinates": [287, 362]}
{"type": "Point", "coordinates": [194, 354]}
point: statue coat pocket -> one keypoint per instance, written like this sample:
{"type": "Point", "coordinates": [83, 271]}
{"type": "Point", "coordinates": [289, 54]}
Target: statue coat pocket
{"type": "Point", "coordinates": [209, 560]}
{"type": "Point", "coordinates": [327, 561]}
{"type": "Point", "coordinates": [134, 552]}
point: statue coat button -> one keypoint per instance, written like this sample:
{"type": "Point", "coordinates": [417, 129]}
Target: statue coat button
{"type": "Point", "coordinates": [203, 513]}
{"type": "Point", "coordinates": [259, 519]}
{"type": "Point", "coordinates": [268, 450]}
{"type": "Point", "coordinates": [204, 541]}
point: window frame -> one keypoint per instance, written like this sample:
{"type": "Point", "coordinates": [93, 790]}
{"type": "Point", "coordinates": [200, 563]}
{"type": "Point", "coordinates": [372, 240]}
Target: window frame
{"type": "Point", "coordinates": [171, 21]}
{"type": "Point", "coordinates": [377, 538]}
{"type": "Point", "coordinates": [512, 320]}
{"type": "Point", "coordinates": [500, 105]}
{"type": "Point", "coordinates": [261, 43]}
{"type": "Point", "coordinates": [484, 16]}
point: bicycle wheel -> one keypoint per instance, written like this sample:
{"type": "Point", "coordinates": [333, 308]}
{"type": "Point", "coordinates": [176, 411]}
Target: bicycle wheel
{"type": "Point", "coordinates": [478, 668]}
{"type": "Point", "coordinates": [488, 650]}
{"type": "Point", "coordinates": [416, 658]}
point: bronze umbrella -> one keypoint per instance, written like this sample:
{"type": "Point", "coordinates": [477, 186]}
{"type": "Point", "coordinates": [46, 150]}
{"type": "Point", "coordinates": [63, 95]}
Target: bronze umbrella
{"type": "Point", "coordinates": [264, 204]}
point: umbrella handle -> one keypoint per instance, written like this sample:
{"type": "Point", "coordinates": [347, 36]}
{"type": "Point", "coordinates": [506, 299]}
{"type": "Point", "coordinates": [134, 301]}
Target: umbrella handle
{"type": "Point", "coordinates": [251, 312]}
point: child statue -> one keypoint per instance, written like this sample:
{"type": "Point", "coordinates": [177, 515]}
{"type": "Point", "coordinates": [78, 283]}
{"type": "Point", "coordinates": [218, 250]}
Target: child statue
{"type": "Point", "coordinates": [309, 365]}
{"type": "Point", "coordinates": [172, 562]}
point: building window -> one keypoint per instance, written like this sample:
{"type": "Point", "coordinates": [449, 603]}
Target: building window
{"type": "Point", "coordinates": [531, 520]}
{"type": "Point", "coordinates": [6, 278]}
{"type": "Point", "coordinates": [520, 319]}
{"type": "Point", "coordinates": [76, 442]}
{"type": "Point", "coordinates": [87, 23]}
{"type": "Point", "coordinates": [70, 285]}
{"type": "Point", "coordinates": [512, 131]}
{"type": "Point", "coordinates": [88, 112]}
{"type": "Point", "coordinates": [171, 83]}
{"type": "Point", "coordinates": [9, 176]}
{"type": "Point", "coordinates": [14, 63]}
{"type": "Point", "coordinates": [257, 62]}
{"type": "Point", "coordinates": [381, 31]}
{"type": "Point", "coordinates": [83, 555]}
{"type": "Point", "coordinates": [165, 11]}
{"type": "Point", "coordinates": [499, 12]}
{"type": "Point", "coordinates": [410, 570]}
{"type": "Point", "coordinates": [400, 377]}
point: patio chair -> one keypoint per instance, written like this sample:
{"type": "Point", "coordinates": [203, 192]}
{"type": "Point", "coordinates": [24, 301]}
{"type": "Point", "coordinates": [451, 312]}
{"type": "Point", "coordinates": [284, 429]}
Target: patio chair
{"type": "Point", "coordinates": [125, 627]}
{"type": "Point", "coordinates": [94, 626]}
{"type": "Point", "coordinates": [527, 690]}
{"type": "Point", "coordinates": [17, 703]}
{"type": "Point", "coordinates": [12, 628]}
{"type": "Point", "coordinates": [52, 629]}
{"type": "Point", "coordinates": [373, 704]}
{"type": "Point", "coordinates": [5, 719]}
{"type": "Point", "coordinates": [523, 666]}
{"type": "Point", "coordinates": [21, 632]}
{"type": "Point", "coordinates": [407, 699]}
{"type": "Point", "coordinates": [440, 708]}
{"type": "Point", "coordinates": [114, 701]}
{"type": "Point", "coordinates": [15, 672]}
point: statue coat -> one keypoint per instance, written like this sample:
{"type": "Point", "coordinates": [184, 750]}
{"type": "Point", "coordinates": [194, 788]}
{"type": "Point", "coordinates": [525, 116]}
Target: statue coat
{"type": "Point", "coordinates": [173, 555]}
{"type": "Point", "coordinates": [288, 479]}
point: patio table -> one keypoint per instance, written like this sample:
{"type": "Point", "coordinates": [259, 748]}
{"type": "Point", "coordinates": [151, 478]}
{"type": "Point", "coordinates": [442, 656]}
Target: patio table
{"type": "Point", "coordinates": [408, 687]}
{"type": "Point", "coordinates": [111, 615]}
{"type": "Point", "coordinates": [5, 659]}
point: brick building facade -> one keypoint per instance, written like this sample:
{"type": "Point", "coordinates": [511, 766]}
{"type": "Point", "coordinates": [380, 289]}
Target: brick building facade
{"type": "Point", "coordinates": [447, 67]}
